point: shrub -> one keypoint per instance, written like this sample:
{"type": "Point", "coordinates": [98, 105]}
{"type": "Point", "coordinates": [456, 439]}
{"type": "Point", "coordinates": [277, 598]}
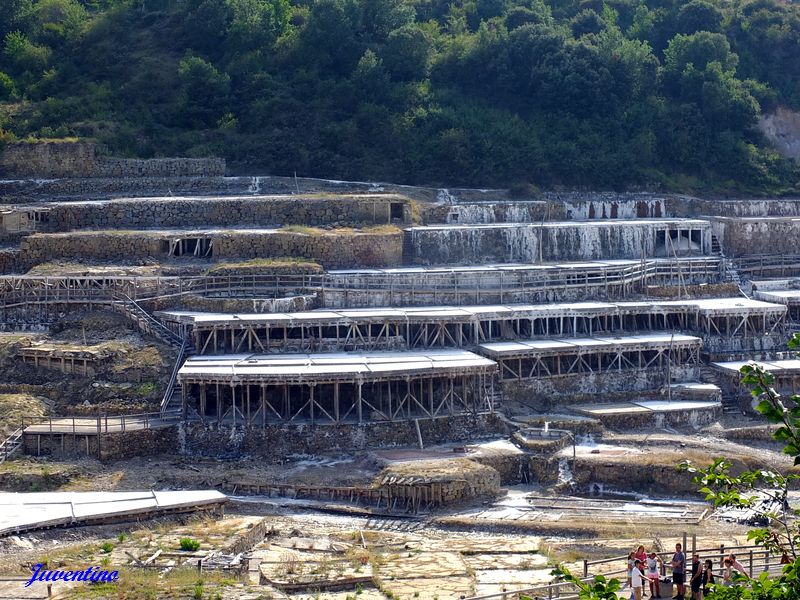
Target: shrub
{"type": "Point", "coordinates": [189, 544]}
{"type": "Point", "coordinates": [106, 547]}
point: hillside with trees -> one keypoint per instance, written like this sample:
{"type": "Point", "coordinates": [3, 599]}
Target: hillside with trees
{"type": "Point", "coordinates": [615, 94]}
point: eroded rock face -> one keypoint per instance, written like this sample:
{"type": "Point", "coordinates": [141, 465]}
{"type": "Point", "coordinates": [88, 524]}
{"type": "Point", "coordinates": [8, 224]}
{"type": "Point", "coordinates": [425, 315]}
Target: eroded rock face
{"type": "Point", "coordinates": [782, 129]}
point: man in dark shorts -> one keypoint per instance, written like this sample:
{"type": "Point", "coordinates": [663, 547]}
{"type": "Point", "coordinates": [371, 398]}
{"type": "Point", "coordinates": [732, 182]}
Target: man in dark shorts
{"type": "Point", "coordinates": [679, 572]}
{"type": "Point", "coordinates": [696, 581]}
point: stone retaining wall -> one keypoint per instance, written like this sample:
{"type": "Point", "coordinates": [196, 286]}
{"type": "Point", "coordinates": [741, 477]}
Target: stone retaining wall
{"type": "Point", "coordinates": [22, 190]}
{"type": "Point", "coordinates": [278, 441]}
{"type": "Point", "coordinates": [771, 237]}
{"type": "Point", "coordinates": [159, 167]}
{"type": "Point", "coordinates": [79, 160]}
{"type": "Point", "coordinates": [248, 211]}
{"type": "Point", "coordinates": [332, 250]}
{"type": "Point", "coordinates": [511, 468]}
{"type": "Point", "coordinates": [113, 446]}
{"type": "Point", "coordinates": [696, 417]}
{"type": "Point", "coordinates": [9, 260]}
{"type": "Point", "coordinates": [576, 388]}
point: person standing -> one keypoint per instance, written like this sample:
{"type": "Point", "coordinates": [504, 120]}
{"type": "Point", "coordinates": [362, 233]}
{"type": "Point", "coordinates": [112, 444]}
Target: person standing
{"type": "Point", "coordinates": [679, 572]}
{"type": "Point", "coordinates": [654, 564]}
{"type": "Point", "coordinates": [640, 555]}
{"type": "Point", "coordinates": [629, 568]}
{"type": "Point", "coordinates": [696, 582]}
{"type": "Point", "coordinates": [708, 576]}
{"type": "Point", "coordinates": [637, 580]}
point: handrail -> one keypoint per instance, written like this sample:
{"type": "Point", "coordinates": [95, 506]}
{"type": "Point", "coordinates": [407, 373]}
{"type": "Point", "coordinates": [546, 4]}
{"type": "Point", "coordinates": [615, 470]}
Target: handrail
{"type": "Point", "coordinates": [4, 445]}
{"type": "Point", "coordinates": [173, 378]}
{"type": "Point", "coordinates": [552, 590]}
{"type": "Point", "coordinates": [698, 550]}
{"type": "Point", "coordinates": [50, 289]}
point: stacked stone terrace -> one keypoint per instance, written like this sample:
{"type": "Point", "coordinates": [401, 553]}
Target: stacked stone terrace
{"type": "Point", "coordinates": [424, 303]}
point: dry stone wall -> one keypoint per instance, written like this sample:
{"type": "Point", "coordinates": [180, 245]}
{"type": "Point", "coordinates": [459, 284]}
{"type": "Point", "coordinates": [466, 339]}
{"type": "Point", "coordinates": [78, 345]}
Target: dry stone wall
{"type": "Point", "coordinates": [79, 159]}
{"type": "Point", "coordinates": [139, 213]}
{"type": "Point", "coordinates": [22, 190]}
{"type": "Point", "coordinates": [143, 442]}
{"type": "Point", "coordinates": [9, 260]}
{"type": "Point", "coordinates": [277, 441]}
{"type": "Point", "coordinates": [754, 236]}
{"type": "Point", "coordinates": [582, 385]}
{"type": "Point", "coordinates": [331, 250]}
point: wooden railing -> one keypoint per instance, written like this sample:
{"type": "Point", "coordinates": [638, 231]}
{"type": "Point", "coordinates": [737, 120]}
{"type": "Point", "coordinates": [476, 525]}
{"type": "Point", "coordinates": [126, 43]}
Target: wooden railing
{"type": "Point", "coordinates": [173, 378]}
{"type": "Point", "coordinates": [25, 290]}
{"type": "Point", "coordinates": [91, 425]}
{"type": "Point", "coordinates": [755, 559]}
{"type": "Point", "coordinates": [772, 265]}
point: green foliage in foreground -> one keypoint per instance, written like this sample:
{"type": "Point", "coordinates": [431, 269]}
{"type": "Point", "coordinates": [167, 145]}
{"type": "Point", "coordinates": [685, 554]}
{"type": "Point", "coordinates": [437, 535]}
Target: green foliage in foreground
{"type": "Point", "coordinates": [781, 534]}
{"type": "Point", "coordinates": [480, 92]}
{"type": "Point", "coordinates": [189, 544]}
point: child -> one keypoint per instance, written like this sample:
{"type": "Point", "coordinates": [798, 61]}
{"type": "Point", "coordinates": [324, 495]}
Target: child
{"type": "Point", "coordinates": [654, 564]}
{"type": "Point", "coordinates": [630, 567]}
{"type": "Point", "coordinates": [637, 580]}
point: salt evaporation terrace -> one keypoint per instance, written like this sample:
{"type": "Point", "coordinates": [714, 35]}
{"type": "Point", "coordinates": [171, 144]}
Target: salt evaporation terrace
{"type": "Point", "coordinates": [564, 294]}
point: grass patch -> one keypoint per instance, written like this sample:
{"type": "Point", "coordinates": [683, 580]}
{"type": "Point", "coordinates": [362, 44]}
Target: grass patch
{"type": "Point", "coordinates": [15, 406]}
{"type": "Point", "coordinates": [290, 265]}
{"type": "Point", "coordinates": [316, 231]}
{"type": "Point", "coordinates": [146, 584]}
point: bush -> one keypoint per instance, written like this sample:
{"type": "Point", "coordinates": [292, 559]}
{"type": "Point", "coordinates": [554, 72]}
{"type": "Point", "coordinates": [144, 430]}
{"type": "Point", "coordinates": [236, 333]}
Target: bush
{"type": "Point", "coordinates": [106, 547]}
{"type": "Point", "coordinates": [8, 91]}
{"type": "Point", "coordinates": [189, 544]}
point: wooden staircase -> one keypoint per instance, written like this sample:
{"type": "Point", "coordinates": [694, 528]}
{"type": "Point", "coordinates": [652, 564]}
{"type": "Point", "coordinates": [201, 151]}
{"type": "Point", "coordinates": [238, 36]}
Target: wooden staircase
{"type": "Point", "coordinates": [11, 446]}
{"type": "Point", "coordinates": [716, 247]}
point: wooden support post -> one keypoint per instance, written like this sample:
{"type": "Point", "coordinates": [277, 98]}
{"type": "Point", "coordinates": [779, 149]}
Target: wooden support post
{"type": "Point", "coordinates": [358, 402]}
{"type": "Point", "coordinates": [233, 404]}
{"type": "Point", "coordinates": [184, 402]}
{"type": "Point", "coordinates": [336, 401]}
{"type": "Point", "coordinates": [263, 405]}
{"type": "Point", "coordinates": [247, 417]}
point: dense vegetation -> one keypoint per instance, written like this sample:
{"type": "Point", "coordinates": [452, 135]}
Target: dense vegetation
{"type": "Point", "coordinates": [474, 92]}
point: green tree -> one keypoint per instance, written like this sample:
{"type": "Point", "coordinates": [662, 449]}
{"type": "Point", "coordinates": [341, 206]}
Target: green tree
{"type": "Point", "coordinates": [25, 56]}
{"type": "Point", "coordinates": [406, 53]}
{"type": "Point", "coordinates": [53, 22]}
{"type": "Point", "coordinates": [699, 15]}
{"type": "Point", "coordinates": [13, 14]}
{"type": "Point", "coordinates": [204, 91]}
{"type": "Point", "coordinates": [585, 22]}
{"type": "Point", "coordinates": [8, 90]}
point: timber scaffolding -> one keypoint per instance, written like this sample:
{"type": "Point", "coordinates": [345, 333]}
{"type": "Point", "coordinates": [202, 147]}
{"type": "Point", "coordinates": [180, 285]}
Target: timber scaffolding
{"type": "Point", "coordinates": [252, 390]}
{"type": "Point", "coordinates": [572, 356]}
{"type": "Point", "coordinates": [368, 287]}
{"type": "Point", "coordinates": [407, 495]}
{"type": "Point", "coordinates": [469, 326]}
